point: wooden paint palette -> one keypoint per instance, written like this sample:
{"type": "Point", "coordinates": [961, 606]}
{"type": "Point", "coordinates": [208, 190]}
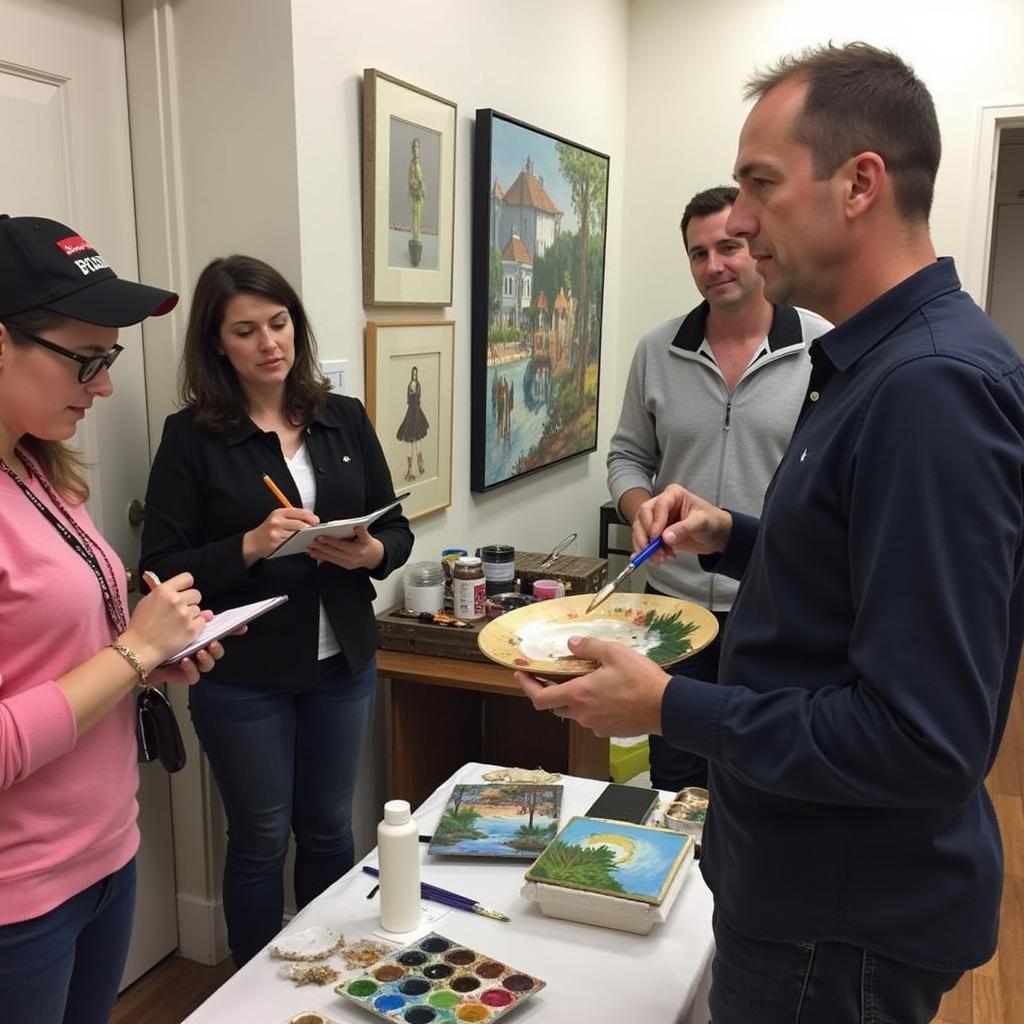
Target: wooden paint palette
{"type": "Point", "coordinates": [533, 638]}
{"type": "Point", "coordinates": [436, 980]}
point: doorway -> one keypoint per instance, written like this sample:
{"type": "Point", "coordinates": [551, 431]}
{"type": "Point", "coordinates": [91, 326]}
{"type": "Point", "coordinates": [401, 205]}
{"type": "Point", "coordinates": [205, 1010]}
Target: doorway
{"type": "Point", "coordinates": [64, 119]}
{"type": "Point", "coordinates": [1005, 298]}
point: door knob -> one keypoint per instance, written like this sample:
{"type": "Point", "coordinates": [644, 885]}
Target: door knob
{"type": "Point", "coordinates": [136, 513]}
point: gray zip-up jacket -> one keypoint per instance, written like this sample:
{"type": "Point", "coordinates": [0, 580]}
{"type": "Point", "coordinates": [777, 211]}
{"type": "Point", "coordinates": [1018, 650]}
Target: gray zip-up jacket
{"type": "Point", "coordinates": [679, 424]}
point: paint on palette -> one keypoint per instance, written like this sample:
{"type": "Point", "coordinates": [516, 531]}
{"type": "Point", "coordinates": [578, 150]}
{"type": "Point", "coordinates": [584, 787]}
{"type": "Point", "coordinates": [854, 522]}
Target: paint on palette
{"type": "Point", "coordinates": [439, 981]}
{"type": "Point", "coordinates": [612, 858]}
{"type": "Point", "coordinates": [498, 820]}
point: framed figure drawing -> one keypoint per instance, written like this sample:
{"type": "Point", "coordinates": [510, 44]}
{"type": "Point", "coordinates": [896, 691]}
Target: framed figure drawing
{"type": "Point", "coordinates": [409, 381]}
{"type": "Point", "coordinates": [408, 194]}
{"type": "Point", "coordinates": [539, 213]}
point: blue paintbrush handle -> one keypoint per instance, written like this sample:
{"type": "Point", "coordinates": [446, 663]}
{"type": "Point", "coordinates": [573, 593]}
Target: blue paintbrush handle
{"type": "Point", "coordinates": [642, 556]}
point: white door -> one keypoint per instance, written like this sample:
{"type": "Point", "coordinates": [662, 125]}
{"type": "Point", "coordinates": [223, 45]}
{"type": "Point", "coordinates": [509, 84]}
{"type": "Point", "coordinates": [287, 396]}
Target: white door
{"type": "Point", "coordinates": [1006, 298]}
{"type": "Point", "coordinates": [64, 125]}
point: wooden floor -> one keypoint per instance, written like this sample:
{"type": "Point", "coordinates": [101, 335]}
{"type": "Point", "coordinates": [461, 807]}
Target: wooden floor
{"type": "Point", "coordinates": [993, 994]}
{"type": "Point", "coordinates": [170, 991]}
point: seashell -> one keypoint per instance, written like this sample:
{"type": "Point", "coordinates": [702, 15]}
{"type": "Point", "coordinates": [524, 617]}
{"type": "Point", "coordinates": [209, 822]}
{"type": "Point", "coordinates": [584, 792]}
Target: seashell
{"type": "Point", "coordinates": [306, 973]}
{"type": "Point", "coordinates": [520, 775]}
{"type": "Point", "coordinates": [314, 943]}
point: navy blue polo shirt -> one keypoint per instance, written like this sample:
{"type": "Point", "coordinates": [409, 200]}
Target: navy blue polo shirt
{"type": "Point", "coordinates": [870, 657]}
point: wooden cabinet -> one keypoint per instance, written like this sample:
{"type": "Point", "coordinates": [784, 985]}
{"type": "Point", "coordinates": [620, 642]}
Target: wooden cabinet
{"type": "Point", "coordinates": [445, 712]}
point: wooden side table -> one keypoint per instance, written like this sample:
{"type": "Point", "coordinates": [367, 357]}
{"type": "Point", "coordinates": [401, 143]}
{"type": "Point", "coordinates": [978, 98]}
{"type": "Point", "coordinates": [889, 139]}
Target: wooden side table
{"type": "Point", "coordinates": [445, 712]}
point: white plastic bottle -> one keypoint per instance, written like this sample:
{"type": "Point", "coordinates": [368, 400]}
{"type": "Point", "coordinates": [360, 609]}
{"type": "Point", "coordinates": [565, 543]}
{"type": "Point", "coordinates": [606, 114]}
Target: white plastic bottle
{"type": "Point", "coordinates": [398, 854]}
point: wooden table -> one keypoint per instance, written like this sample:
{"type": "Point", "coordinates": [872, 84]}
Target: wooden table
{"type": "Point", "coordinates": [445, 712]}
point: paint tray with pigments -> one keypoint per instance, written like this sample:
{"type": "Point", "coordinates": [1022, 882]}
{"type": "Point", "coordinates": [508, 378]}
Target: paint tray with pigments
{"type": "Point", "coordinates": [438, 981]}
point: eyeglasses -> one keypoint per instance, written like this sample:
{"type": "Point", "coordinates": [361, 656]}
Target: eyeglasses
{"type": "Point", "coordinates": [88, 366]}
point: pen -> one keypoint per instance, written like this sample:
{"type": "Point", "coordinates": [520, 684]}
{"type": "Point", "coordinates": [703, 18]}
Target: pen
{"type": "Point", "coordinates": [276, 492]}
{"type": "Point", "coordinates": [450, 899]}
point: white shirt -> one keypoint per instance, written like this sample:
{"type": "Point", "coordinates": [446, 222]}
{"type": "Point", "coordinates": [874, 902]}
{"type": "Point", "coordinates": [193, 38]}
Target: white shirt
{"type": "Point", "coordinates": [301, 469]}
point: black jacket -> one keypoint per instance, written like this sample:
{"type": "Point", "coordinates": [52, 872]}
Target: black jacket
{"type": "Point", "coordinates": [206, 490]}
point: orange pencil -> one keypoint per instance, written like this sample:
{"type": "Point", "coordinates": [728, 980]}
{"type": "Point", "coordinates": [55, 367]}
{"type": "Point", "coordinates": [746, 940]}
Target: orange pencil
{"type": "Point", "coordinates": [277, 492]}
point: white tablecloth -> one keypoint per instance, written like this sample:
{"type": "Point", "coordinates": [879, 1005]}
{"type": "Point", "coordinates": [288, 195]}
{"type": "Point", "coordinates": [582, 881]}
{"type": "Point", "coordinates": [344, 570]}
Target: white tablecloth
{"type": "Point", "coordinates": [592, 974]}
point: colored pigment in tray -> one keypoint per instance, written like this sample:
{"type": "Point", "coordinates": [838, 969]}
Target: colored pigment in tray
{"type": "Point", "coordinates": [438, 981]}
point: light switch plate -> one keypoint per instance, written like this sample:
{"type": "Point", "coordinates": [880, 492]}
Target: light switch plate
{"type": "Point", "coordinates": [336, 371]}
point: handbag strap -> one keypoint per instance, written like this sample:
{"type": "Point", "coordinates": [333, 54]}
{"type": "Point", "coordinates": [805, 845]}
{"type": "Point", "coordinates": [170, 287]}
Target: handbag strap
{"type": "Point", "coordinates": [78, 540]}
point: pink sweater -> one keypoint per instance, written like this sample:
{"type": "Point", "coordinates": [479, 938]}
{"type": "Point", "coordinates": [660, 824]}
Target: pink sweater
{"type": "Point", "coordinates": [67, 805]}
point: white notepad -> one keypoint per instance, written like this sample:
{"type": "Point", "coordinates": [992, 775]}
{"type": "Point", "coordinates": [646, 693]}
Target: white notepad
{"type": "Point", "coordinates": [226, 622]}
{"type": "Point", "coordinates": [299, 541]}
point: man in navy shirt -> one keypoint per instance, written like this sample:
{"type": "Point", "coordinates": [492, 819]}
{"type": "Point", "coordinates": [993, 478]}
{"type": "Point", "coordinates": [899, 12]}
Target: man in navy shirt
{"type": "Point", "coordinates": [868, 665]}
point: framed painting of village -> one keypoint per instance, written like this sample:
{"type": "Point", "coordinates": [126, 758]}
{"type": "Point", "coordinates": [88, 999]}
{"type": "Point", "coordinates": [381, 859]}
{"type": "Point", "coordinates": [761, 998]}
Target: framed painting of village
{"type": "Point", "coordinates": [409, 380]}
{"type": "Point", "coordinates": [540, 208]}
{"type": "Point", "coordinates": [408, 194]}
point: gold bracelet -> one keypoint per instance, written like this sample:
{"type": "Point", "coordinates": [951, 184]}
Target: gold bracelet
{"type": "Point", "coordinates": [133, 659]}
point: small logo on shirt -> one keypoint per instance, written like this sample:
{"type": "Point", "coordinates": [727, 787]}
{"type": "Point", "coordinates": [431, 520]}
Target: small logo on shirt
{"type": "Point", "coordinates": [346, 458]}
{"type": "Point", "coordinates": [803, 455]}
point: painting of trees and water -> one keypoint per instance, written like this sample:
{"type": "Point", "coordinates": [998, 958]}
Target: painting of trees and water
{"type": "Point", "coordinates": [498, 820]}
{"type": "Point", "coordinates": [635, 862]}
{"type": "Point", "coordinates": [540, 211]}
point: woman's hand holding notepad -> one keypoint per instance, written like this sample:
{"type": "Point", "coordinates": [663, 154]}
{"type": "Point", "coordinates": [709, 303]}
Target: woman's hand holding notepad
{"type": "Point", "coordinates": [299, 541]}
{"type": "Point", "coordinates": [223, 623]}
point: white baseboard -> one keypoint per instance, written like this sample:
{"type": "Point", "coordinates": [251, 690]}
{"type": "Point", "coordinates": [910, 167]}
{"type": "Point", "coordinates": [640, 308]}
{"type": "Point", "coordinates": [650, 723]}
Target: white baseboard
{"type": "Point", "coordinates": [202, 933]}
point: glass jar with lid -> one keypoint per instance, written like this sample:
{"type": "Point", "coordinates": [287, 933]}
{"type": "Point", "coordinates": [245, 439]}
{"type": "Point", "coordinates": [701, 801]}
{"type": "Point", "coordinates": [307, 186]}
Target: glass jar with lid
{"type": "Point", "coordinates": [424, 587]}
{"type": "Point", "coordinates": [469, 589]}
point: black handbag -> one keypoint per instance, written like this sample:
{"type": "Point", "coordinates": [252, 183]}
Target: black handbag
{"type": "Point", "coordinates": [157, 731]}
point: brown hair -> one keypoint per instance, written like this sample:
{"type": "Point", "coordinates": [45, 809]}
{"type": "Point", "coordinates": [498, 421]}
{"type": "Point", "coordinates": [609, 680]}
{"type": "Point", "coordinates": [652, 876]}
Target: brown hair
{"type": "Point", "coordinates": [209, 384]}
{"type": "Point", "coordinates": [705, 203]}
{"type": "Point", "coordinates": [62, 466]}
{"type": "Point", "coordinates": [859, 99]}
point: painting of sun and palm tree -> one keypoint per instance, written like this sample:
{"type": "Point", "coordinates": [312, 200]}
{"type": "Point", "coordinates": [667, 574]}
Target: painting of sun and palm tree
{"type": "Point", "coordinates": [539, 215]}
{"type": "Point", "coordinates": [498, 821]}
{"type": "Point", "coordinates": [612, 858]}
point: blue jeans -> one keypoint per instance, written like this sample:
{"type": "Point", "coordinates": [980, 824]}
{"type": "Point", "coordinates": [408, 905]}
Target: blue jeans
{"type": "Point", "coordinates": [758, 982]}
{"type": "Point", "coordinates": [64, 967]}
{"type": "Point", "coordinates": [284, 761]}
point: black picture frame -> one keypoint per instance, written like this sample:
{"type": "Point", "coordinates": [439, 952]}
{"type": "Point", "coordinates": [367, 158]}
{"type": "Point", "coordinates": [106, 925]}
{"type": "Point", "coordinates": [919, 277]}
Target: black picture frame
{"type": "Point", "coordinates": [539, 202]}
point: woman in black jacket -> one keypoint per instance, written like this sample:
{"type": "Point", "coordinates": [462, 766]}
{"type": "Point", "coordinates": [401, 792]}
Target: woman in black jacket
{"type": "Point", "coordinates": [284, 722]}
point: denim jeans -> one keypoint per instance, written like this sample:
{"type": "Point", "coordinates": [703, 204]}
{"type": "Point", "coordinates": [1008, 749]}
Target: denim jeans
{"type": "Point", "coordinates": [64, 967]}
{"type": "Point", "coordinates": [757, 982]}
{"type": "Point", "coordinates": [671, 767]}
{"type": "Point", "coordinates": [285, 761]}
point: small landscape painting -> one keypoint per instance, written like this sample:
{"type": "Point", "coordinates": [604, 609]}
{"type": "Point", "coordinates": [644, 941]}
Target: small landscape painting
{"type": "Point", "coordinates": [498, 821]}
{"type": "Point", "coordinates": [612, 858]}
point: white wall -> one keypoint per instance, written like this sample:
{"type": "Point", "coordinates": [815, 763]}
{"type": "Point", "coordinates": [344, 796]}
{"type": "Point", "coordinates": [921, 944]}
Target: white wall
{"type": "Point", "coordinates": [559, 66]}
{"type": "Point", "coordinates": [687, 66]}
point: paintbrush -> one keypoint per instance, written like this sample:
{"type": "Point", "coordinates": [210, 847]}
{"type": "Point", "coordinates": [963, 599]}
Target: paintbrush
{"type": "Point", "coordinates": [437, 618]}
{"type": "Point", "coordinates": [451, 899]}
{"type": "Point", "coordinates": [634, 563]}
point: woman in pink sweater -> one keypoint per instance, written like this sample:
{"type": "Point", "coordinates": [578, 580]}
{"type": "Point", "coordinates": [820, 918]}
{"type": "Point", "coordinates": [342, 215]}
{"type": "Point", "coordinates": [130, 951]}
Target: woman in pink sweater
{"type": "Point", "coordinates": [70, 656]}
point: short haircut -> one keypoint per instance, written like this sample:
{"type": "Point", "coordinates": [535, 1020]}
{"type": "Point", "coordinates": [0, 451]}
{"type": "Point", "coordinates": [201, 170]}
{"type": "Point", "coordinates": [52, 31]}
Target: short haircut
{"type": "Point", "coordinates": [705, 203]}
{"type": "Point", "coordinates": [860, 99]}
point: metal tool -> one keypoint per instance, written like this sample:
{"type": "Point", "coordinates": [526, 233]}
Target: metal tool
{"type": "Point", "coordinates": [634, 563]}
{"type": "Point", "coordinates": [557, 550]}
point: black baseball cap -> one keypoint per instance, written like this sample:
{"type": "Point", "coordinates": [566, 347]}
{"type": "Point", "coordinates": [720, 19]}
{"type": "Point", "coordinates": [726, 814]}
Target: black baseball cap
{"type": "Point", "coordinates": [47, 265]}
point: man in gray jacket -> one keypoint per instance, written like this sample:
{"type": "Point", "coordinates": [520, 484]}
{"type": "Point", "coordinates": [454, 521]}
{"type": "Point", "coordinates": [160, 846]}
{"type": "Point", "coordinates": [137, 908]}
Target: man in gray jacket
{"type": "Point", "coordinates": [711, 400]}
